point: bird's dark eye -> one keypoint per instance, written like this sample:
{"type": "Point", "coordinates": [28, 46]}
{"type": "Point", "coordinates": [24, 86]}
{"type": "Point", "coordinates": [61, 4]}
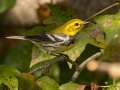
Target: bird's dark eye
{"type": "Point", "coordinates": [76, 24]}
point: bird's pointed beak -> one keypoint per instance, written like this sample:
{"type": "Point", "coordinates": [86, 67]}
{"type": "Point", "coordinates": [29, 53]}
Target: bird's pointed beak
{"type": "Point", "coordinates": [16, 37]}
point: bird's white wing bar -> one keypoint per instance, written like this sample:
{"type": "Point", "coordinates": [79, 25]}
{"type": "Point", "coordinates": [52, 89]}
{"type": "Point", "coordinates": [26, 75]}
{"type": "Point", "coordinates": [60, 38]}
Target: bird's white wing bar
{"type": "Point", "coordinates": [50, 37]}
{"type": "Point", "coordinates": [61, 38]}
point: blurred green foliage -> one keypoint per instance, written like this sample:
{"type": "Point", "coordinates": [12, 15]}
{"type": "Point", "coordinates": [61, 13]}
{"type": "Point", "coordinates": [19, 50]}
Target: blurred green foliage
{"type": "Point", "coordinates": [6, 4]}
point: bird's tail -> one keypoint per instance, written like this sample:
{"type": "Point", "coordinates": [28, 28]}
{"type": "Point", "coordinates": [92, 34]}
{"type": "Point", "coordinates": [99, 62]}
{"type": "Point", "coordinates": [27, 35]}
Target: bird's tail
{"type": "Point", "coordinates": [16, 37]}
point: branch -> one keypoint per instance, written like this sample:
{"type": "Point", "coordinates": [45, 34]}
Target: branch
{"type": "Point", "coordinates": [46, 64]}
{"type": "Point", "coordinates": [83, 64]}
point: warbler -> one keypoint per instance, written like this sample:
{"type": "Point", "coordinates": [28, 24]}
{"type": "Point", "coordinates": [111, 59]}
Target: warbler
{"type": "Point", "coordinates": [58, 38]}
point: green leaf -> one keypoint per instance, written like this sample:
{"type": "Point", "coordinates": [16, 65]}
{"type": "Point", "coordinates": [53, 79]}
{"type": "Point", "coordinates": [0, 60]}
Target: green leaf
{"type": "Point", "coordinates": [69, 86]}
{"type": "Point", "coordinates": [54, 71]}
{"type": "Point", "coordinates": [6, 4]}
{"type": "Point", "coordinates": [19, 56]}
{"type": "Point", "coordinates": [27, 82]}
{"type": "Point", "coordinates": [8, 78]}
{"type": "Point", "coordinates": [47, 83]}
{"type": "Point", "coordinates": [110, 24]}
{"type": "Point", "coordinates": [111, 52]}
{"type": "Point", "coordinates": [5, 68]}
{"type": "Point", "coordinates": [49, 65]}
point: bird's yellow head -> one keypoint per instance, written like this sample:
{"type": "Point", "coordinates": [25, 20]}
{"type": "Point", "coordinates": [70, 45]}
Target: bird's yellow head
{"type": "Point", "coordinates": [73, 26]}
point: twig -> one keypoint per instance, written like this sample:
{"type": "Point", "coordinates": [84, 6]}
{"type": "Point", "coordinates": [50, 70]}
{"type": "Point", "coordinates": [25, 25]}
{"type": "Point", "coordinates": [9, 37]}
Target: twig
{"type": "Point", "coordinates": [83, 64]}
{"type": "Point", "coordinates": [103, 10]}
{"type": "Point", "coordinates": [47, 64]}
